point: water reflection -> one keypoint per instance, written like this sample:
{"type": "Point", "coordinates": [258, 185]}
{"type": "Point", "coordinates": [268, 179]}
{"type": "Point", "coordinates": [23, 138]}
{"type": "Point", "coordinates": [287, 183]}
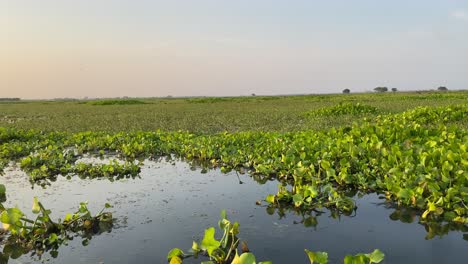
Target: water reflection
{"type": "Point", "coordinates": [14, 249]}
{"type": "Point", "coordinates": [310, 217]}
{"type": "Point", "coordinates": [172, 203]}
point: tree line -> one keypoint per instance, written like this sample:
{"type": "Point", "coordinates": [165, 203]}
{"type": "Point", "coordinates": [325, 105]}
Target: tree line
{"type": "Point", "coordinates": [9, 99]}
{"type": "Point", "coordinates": [382, 89]}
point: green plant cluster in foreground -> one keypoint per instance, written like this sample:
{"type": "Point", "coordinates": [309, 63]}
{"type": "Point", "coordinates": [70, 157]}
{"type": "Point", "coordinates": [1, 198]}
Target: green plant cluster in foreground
{"type": "Point", "coordinates": [225, 250]}
{"type": "Point", "coordinates": [42, 233]}
{"type": "Point", "coordinates": [413, 163]}
{"type": "Point", "coordinates": [344, 108]}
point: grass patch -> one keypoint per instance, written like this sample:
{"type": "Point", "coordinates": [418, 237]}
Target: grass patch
{"type": "Point", "coordinates": [208, 116]}
{"type": "Point", "coordinates": [342, 108]}
{"type": "Point", "coordinates": [116, 102]}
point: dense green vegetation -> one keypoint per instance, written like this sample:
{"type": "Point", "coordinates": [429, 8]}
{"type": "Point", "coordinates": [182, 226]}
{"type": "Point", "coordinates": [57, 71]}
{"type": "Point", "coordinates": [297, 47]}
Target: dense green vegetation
{"type": "Point", "coordinates": [211, 115]}
{"type": "Point", "coordinates": [413, 162]}
{"type": "Point", "coordinates": [115, 102]}
{"type": "Point", "coordinates": [354, 109]}
{"type": "Point", "coordinates": [412, 148]}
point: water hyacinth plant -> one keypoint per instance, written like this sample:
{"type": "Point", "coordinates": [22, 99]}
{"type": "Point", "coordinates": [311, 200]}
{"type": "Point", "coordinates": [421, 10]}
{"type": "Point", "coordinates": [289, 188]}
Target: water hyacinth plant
{"type": "Point", "coordinates": [41, 234]}
{"type": "Point", "coordinates": [417, 159]}
{"type": "Point", "coordinates": [226, 250]}
{"type": "Point", "coordinates": [344, 108]}
{"type": "Point", "coordinates": [412, 162]}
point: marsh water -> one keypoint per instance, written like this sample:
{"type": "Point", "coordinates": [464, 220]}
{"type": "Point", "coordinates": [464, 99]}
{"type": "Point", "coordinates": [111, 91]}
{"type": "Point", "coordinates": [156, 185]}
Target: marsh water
{"type": "Point", "coordinates": [172, 203]}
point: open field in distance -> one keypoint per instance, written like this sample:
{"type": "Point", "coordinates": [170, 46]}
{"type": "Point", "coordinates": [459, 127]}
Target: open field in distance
{"type": "Point", "coordinates": [212, 115]}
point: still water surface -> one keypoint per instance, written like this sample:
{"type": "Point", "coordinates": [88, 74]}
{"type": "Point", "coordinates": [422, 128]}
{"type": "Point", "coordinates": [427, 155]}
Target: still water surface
{"type": "Point", "coordinates": [171, 204]}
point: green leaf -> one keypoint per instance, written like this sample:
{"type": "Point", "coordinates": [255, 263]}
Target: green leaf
{"type": "Point", "coordinates": [312, 191]}
{"type": "Point", "coordinates": [298, 199]}
{"type": "Point", "coordinates": [195, 247]}
{"type": "Point", "coordinates": [270, 198]}
{"type": "Point", "coordinates": [175, 252]}
{"type": "Point", "coordinates": [175, 260]}
{"type": "Point", "coordinates": [13, 250]}
{"type": "Point", "coordinates": [318, 257]}
{"type": "Point", "coordinates": [11, 216]}
{"type": "Point", "coordinates": [404, 193]}
{"type": "Point", "coordinates": [325, 164]}
{"type": "Point", "coordinates": [358, 259]}
{"type": "Point", "coordinates": [36, 208]}
{"type": "Point", "coordinates": [235, 228]}
{"type": "Point", "coordinates": [209, 243]}
{"type": "Point", "coordinates": [68, 217]}
{"type": "Point", "coordinates": [52, 238]}
{"type": "Point", "coordinates": [223, 214]}
{"type": "Point", "coordinates": [2, 189]}
{"type": "Point", "coordinates": [246, 258]}
{"type": "Point", "coordinates": [376, 256]}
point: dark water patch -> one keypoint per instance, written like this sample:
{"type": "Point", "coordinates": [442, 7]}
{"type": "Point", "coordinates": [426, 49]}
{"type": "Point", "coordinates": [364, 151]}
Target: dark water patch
{"type": "Point", "coordinates": [171, 204]}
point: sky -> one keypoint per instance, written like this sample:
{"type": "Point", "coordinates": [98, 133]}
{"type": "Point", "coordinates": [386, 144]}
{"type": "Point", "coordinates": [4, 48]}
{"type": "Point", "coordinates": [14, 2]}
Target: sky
{"type": "Point", "coordinates": [143, 48]}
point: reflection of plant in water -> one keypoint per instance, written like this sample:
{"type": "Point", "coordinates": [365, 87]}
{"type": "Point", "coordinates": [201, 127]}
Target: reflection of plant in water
{"type": "Point", "coordinates": [309, 216]}
{"type": "Point", "coordinates": [439, 227]}
{"type": "Point", "coordinates": [22, 235]}
{"type": "Point", "coordinates": [225, 250]}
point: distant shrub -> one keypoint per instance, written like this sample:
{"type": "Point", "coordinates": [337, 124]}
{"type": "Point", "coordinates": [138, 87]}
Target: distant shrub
{"type": "Point", "coordinates": [442, 88]}
{"type": "Point", "coordinates": [10, 99]}
{"type": "Point", "coordinates": [394, 89]}
{"type": "Point", "coordinates": [381, 89]}
{"type": "Point", "coordinates": [204, 100]}
{"type": "Point", "coordinates": [344, 109]}
{"type": "Point", "coordinates": [116, 102]}
{"type": "Point", "coordinates": [207, 100]}
{"type": "Point", "coordinates": [346, 91]}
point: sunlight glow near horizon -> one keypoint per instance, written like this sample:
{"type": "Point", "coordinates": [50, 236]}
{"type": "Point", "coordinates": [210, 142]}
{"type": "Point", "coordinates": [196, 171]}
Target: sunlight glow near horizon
{"type": "Point", "coordinates": [112, 48]}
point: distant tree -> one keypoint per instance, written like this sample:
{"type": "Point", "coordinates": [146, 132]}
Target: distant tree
{"type": "Point", "coordinates": [394, 89]}
{"type": "Point", "coordinates": [253, 94]}
{"type": "Point", "coordinates": [346, 91]}
{"type": "Point", "coordinates": [381, 89]}
{"type": "Point", "coordinates": [442, 88]}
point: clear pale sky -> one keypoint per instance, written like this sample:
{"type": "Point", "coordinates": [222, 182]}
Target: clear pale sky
{"type": "Point", "coordinates": [112, 48]}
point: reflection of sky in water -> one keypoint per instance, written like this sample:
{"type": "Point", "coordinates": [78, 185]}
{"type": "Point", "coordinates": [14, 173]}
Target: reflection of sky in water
{"type": "Point", "coordinates": [171, 205]}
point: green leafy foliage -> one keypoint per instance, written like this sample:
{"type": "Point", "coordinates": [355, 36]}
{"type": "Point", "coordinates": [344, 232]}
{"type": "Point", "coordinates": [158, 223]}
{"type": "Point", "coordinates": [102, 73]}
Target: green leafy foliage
{"type": "Point", "coordinates": [42, 234]}
{"type": "Point", "coordinates": [415, 158]}
{"type": "Point", "coordinates": [375, 257]}
{"type": "Point", "coordinates": [210, 115]}
{"type": "Point", "coordinates": [116, 102]}
{"type": "Point", "coordinates": [344, 109]}
{"type": "Point", "coordinates": [413, 164]}
{"type": "Point", "coordinates": [317, 257]}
